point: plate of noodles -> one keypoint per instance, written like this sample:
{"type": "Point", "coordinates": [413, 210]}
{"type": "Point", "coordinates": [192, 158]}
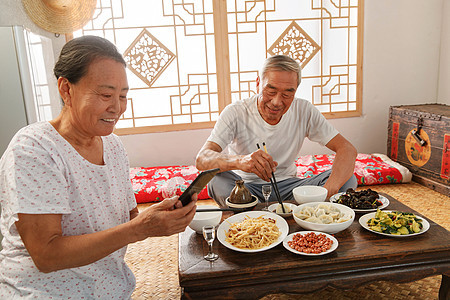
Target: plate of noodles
{"type": "Point", "coordinates": [252, 231]}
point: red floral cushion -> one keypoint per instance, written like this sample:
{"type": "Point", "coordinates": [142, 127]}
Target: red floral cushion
{"type": "Point", "coordinates": [369, 169]}
{"type": "Point", "coordinates": [156, 183]}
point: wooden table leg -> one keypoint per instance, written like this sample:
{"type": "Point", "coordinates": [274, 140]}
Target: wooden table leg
{"type": "Point", "coordinates": [444, 289]}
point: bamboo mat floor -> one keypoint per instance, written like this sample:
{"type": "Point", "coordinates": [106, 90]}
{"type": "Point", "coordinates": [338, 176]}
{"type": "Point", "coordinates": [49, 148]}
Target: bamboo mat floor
{"type": "Point", "coordinates": [154, 261]}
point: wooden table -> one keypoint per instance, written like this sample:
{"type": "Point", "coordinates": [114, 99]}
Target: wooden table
{"type": "Point", "coordinates": [362, 257]}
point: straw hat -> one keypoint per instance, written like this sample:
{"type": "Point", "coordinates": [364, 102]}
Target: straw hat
{"type": "Point", "coordinates": [60, 16]}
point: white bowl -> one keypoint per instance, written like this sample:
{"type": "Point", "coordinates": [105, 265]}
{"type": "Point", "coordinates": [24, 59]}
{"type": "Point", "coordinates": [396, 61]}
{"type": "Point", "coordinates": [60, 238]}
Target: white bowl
{"type": "Point", "coordinates": [244, 206]}
{"type": "Point", "coordinates": [273, 208]}
{"type": "Point", "coordinates": [327, 228]}
{"type": "Point", "coordinates": [309, 193]}
{"type": "Point", "coordinates": [205, 218]}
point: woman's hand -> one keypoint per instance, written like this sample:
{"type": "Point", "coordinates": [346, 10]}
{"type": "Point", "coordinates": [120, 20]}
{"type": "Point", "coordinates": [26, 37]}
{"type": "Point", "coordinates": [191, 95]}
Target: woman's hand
{"type": "Point", "coordinates": [165, 218]}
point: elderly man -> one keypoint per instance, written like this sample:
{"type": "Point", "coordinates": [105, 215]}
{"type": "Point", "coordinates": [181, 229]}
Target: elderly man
{"type": "Point", "coordinates": [274, 116]}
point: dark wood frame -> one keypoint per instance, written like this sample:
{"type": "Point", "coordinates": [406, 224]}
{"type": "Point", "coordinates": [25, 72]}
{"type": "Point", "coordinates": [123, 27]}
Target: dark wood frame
{"type": "Point", "coordinates": [362, 257]}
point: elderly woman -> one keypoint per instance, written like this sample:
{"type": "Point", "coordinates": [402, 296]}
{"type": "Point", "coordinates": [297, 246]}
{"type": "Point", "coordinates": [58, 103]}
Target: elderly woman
{"type": "Point", "coordinates": [68, 210]}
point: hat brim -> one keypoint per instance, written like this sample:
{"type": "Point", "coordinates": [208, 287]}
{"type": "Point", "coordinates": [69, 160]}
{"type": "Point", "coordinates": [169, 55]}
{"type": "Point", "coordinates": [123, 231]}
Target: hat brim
{"type": "Point", "coordinates": [60, 16]}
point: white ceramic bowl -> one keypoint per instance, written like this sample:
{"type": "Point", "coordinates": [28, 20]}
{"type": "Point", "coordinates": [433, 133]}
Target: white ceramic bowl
{"type": "Point", "coordinates": [309, 193]}
{"type": "Point", "coordinates": [327, 228]}
{"type": "Point", "coordinates": [245, 206]}
{"type": "Point", "coordinates": [205, 218]}
{"type": "Point", "coordinates": [273, 208]}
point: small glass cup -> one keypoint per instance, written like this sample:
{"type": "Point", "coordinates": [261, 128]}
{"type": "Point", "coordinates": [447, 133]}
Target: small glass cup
{"type": "Point", "coordinates": [266, 191]}
{"type": "Point", "coordinates": [209, 233]}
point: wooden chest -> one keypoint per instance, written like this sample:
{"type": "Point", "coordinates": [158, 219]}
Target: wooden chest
{"type": "Point", "coordinates": [419, 139]}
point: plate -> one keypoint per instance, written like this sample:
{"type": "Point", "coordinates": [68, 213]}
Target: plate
{"type": "Point", "coordinates": [363, 221]}
{"type": "Point", "coordinates": [289, 238]}
{"type": "Point", "coordinates": [225, 225]}
{"type": "Point", "coordinates": [383, 199]}
{"type": "Point", "coordinates": [273, 207]}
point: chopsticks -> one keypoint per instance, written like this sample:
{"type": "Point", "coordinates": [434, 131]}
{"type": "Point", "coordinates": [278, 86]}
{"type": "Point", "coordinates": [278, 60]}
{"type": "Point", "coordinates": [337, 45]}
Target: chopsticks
{"type": "Point", "coordinates": [273, 181]}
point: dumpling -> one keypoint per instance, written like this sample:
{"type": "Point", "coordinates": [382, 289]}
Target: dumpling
{"type": "Point", "coordinates": [313, 220]}
{"type": "Point", "coordinates": [301, 215]}
{"type": "Point", "coordinates": [308, 210]}
{"type": "Point", "coordinates": [342, 219]}
{"type": "Point", "coordinates": [334, 209]}
{"type": "Point", "coordinates": [303, 212]}
{"type": "Point", "coordinates": [324, 206]}
{"type": "Point", "coordinates": [319, 212]}
{"type": "Point", "coordinates": [279, 209]}
{"type": "Point", "coordinates": [335, 215]}
{"type": "Point", "coordinates": [326, 219]}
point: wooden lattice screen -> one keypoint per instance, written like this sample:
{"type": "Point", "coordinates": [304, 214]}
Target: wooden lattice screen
{"type": "Point", "coordinates": [188, 59]}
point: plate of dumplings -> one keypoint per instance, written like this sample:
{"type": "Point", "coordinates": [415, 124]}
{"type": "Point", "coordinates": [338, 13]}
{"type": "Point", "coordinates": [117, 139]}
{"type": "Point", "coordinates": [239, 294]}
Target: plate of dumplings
{"type": "Point", "coordinates": [324, 216]}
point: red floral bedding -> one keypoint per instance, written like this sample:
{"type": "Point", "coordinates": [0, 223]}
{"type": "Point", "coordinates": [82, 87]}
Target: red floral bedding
{"type": "Point", "coordinates": [369, 169]}
{"type": "Point", "coordinates": [156, 183]}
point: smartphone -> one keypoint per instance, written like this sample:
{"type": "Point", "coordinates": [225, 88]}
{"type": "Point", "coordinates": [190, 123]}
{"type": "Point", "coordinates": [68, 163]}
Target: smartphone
{"type": "Point", "coordinates": [197, 185]}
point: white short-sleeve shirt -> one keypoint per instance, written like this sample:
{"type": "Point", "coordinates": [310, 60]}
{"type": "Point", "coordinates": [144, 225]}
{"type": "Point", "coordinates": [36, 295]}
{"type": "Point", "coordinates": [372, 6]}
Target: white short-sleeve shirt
{"type": "Point", "coordinates": [241, 127]}
{"type": "Point", "coordinates": [41, 173]}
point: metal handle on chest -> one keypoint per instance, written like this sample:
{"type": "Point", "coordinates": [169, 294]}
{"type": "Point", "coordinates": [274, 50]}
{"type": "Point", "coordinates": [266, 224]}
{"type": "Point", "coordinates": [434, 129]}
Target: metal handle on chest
{"type": "Point", "coordinates": [416, 133]}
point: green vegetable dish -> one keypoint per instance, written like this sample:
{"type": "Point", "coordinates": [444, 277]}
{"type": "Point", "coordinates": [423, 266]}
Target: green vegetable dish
{"type": "Point", "coordinates": [398, 223]}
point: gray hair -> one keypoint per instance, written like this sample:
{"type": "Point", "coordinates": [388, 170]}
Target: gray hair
{"type": "Point", "coordinates": [282, 63]}
{"type": "Point", "coordinates": [78, 54]}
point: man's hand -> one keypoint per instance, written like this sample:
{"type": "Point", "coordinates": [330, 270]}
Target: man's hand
{"type": "Point", "coordinates": [260, 163]}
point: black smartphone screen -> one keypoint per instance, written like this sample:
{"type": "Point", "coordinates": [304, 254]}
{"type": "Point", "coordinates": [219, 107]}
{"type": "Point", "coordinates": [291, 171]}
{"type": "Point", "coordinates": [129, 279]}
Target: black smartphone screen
{"type": "Point", "coordinates": [197, 185]}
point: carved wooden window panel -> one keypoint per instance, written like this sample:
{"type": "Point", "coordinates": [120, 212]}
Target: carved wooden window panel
{"type": "Point", "coordinates": [188, 59]}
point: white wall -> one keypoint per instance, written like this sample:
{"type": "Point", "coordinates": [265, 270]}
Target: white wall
{"type": "Point", "coordinates": [401, 63]}
{"type": "Point", "coordinates": [444, 66]}
{"type": "Point", "coordinates": [403, 46]}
